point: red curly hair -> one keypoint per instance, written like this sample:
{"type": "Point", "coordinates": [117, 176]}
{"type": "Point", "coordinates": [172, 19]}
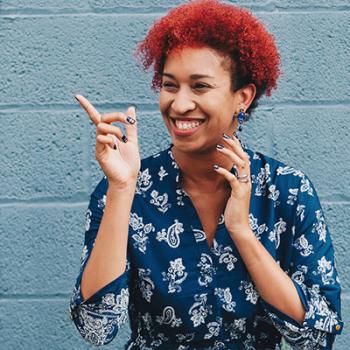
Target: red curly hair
{"type": "Point", "coordinates": [226, 28]}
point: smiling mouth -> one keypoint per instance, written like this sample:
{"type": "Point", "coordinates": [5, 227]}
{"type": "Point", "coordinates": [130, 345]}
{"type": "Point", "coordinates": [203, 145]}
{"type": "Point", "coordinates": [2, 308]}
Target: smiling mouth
{"type": "Point", "coordinates": [187, 124]}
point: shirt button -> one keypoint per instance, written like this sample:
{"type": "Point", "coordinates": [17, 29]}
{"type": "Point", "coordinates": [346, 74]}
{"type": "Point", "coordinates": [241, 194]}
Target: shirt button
{"type": "Point", "coordinates": [337, 327]}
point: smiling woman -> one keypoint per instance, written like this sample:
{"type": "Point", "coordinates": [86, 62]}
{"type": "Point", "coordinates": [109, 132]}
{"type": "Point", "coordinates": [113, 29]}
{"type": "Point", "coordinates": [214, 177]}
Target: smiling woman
{"type": "Point", "coordinates": [207, 244]}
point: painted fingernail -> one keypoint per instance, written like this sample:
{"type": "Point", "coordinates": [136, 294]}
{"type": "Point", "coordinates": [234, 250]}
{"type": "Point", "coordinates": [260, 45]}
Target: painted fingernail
{"type": "Point", "coordinates": [125, 139]}
{"type": "Point", "coordinates": [215, 166]}
{"type": "Point", "coordinates": [76, 98]}
{"type": "Point", "coordinates": [219, 147]}
{"type": "Point", "coordinates": [130, 120]}
{"type": "Point", "coordinates": [225, 136]}
{"type": "Point", "coordinates": [114, 146]}
{"type": "Point", "coordinates": [235, 135]}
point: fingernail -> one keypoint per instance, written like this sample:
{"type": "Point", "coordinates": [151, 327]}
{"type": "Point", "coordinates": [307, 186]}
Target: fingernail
{"type": "Point", "coordinates": [235, 135]}
{"type": "Point", "coordinates": [219, 147]}
{"type": "Point", "coordinates": [76, 98]}
{"type": "Point", "coordinates": [125, 139]}
{"type": "Point", "coordinates": [134, 107]}
{"type": "Point", "coordinates": [225, 136]}
{"type": "Point", "coordinates": [130, 120]}
{"type": "Point", "coordinates": [114, 146]}
{"type": "Point", "coordinates": [215, 166]}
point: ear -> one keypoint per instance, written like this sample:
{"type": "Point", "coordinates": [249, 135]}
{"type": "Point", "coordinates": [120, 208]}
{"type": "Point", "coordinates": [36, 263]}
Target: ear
{"type": "Point", "coordinates": [246, 95]}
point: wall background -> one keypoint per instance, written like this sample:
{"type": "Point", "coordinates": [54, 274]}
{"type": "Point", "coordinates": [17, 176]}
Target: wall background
{"type": "Point", "coordinates": [53, 49]}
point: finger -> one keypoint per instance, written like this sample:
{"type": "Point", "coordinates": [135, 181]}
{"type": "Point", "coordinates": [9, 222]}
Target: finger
{"type": "Point", "coordinates": [231, 178]}
{"type": "Point", "coordinates": [131, 128]}
{"type": "Point", "coordinates": [235, 144]}
{"type": "Point", "coordinates": [89, 108]}
{"type": "Point", "coordinates": [239, 162]}
{"type": "Point", "coordinates": [103, 129]}
{"type": "Point", "coordinates": [106, 140]}
{"type": "Point", "coordinates": [114, 117]}
{"type": "Point", "coordinates": [129, 121]}
{"type": "Point", "coordinates": [242, 168]}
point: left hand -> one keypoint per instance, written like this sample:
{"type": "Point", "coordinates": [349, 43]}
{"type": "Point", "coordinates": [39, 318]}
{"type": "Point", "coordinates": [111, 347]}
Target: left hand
{"type": "Point", "coordinates": [237, 208]}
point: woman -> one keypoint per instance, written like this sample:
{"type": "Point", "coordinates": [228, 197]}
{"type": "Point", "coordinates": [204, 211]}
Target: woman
{"type": "Point", "coordinates": [207, 244]}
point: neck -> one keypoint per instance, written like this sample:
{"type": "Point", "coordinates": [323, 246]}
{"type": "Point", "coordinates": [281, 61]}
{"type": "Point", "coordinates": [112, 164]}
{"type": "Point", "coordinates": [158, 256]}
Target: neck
{"type": "Point", "coordinates": [197, 173]}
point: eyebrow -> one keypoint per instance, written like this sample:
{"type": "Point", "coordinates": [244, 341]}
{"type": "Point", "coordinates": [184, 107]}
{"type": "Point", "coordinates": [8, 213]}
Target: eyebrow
{"type": "Point", "coordinates": [192, 76]}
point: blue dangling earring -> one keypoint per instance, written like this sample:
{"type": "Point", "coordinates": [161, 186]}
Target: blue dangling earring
{"type": "Point", "coordinates": [242, 117]}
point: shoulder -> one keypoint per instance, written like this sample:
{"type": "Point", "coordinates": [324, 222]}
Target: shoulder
{"type": "Point", "coordinates": [270, 175]}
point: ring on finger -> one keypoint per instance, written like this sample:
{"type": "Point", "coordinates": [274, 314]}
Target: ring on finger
{"type": "Point", "coordinates": [243, 178]}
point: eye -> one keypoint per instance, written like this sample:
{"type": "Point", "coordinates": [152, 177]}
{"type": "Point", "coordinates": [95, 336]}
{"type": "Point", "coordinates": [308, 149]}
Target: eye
{"type": "Point", "coordinates": [167, 85]}
{"type": "Point", "coordinates": [201, 86]}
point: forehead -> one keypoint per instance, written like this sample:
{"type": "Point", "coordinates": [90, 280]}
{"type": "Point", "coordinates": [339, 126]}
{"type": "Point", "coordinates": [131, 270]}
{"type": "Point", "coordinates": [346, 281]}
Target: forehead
{"type": "Point", "coordinates": [190, 61]}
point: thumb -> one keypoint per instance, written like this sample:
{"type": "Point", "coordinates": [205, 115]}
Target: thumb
{"type": "Point", "coordinates": [131, 129]}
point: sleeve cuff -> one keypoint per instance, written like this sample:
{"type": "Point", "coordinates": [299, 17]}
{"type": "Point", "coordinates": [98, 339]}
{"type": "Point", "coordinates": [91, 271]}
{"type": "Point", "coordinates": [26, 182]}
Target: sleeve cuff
{"type": "Point", "coordinates": [317, 315]}
{"type": "Point", "coordinates": [114, 287]}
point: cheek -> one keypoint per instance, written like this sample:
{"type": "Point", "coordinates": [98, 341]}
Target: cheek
{"type": "Point", "coordinates": [223, 107]}
{"type": "Point", "coordinates": [164, 102]}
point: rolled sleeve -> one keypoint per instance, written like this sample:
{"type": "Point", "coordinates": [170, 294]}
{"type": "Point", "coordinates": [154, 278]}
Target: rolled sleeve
{"type": "Point", "coordinates": [99, 317]}
{"type": "Point", "coordinates": [313, 272]}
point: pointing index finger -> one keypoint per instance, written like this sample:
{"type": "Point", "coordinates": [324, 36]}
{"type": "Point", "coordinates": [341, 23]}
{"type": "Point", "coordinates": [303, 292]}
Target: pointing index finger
{"type": "Point", "coordinates": [94, 115]}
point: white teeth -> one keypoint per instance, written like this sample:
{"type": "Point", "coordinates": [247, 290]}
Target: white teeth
{"type": "Point", "coordinates": [186, 125]}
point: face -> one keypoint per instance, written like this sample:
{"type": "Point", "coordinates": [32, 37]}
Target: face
{"type": "Point", "coordinates": [196, 99]}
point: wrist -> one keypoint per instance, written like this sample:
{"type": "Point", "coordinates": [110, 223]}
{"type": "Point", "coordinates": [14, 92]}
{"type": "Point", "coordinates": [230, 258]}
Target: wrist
{"type": "Point", "coordinates": [242, 232]}
{"type": "Point", "coordinates": [122, 189]}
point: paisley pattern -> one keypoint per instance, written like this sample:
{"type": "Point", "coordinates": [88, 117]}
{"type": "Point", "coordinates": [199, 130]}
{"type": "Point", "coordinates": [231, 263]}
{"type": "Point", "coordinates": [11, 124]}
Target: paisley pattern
{"type": "Point", "coordinates": [180, 293]}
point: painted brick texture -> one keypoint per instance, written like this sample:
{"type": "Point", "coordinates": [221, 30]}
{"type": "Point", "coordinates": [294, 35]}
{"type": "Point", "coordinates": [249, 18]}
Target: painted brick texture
{"type": "Point", "coordinates": [51, 50]}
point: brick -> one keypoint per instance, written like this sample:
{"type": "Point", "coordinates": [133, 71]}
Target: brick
{"type": "Point", "coordinates": [314, 51]}
{"type": "Point", "coordinates": [48, 59]}
{"type": "Point", "coordinates": [43, 155]}
{"type": "Point", "coordinates": [41, 248]}
{"type": "Point", "coordinates": [313, 140]}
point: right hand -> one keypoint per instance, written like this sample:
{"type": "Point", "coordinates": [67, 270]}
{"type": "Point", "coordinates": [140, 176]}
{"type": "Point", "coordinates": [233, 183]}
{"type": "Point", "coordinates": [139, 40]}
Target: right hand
{"type": "Point", "coordinates": [120, 165]}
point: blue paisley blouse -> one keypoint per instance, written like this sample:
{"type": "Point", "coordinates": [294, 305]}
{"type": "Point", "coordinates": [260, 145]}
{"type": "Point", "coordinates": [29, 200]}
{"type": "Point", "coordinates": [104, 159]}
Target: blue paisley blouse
{"type": "Point", "coordinates": [180, 293]}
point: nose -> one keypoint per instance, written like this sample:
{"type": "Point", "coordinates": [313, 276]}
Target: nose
{"type": "Point", "coordinates": [182, 103]}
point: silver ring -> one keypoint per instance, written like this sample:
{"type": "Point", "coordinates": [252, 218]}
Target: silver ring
{"type": "Point", "coordinates": [243, 178]}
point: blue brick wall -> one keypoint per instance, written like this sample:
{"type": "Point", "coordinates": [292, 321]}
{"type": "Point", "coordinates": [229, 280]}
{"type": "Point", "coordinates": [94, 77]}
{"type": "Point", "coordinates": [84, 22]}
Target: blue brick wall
{"type": "Point", "coordinates": [51, 50]}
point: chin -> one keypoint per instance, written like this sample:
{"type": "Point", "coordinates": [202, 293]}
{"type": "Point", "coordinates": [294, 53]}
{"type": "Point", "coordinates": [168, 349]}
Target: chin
{"type": "Point", "coordinates": [193, 147]}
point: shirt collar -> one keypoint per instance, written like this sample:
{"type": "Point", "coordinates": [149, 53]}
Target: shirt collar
{"type": "Point", "coordinates": [173, 168]}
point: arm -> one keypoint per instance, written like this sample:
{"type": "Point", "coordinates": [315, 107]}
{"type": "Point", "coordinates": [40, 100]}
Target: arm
{"type": "Point", "coordinates": [312, 273]}
{"type": "Point", "coordinates": [272, 283]}
{"type": "Point", "coordinates": [313, 276]}
{"type": "Point", "coordinates": [110, 244]}
{"type": "Point", "coordinates": [103, 309]}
